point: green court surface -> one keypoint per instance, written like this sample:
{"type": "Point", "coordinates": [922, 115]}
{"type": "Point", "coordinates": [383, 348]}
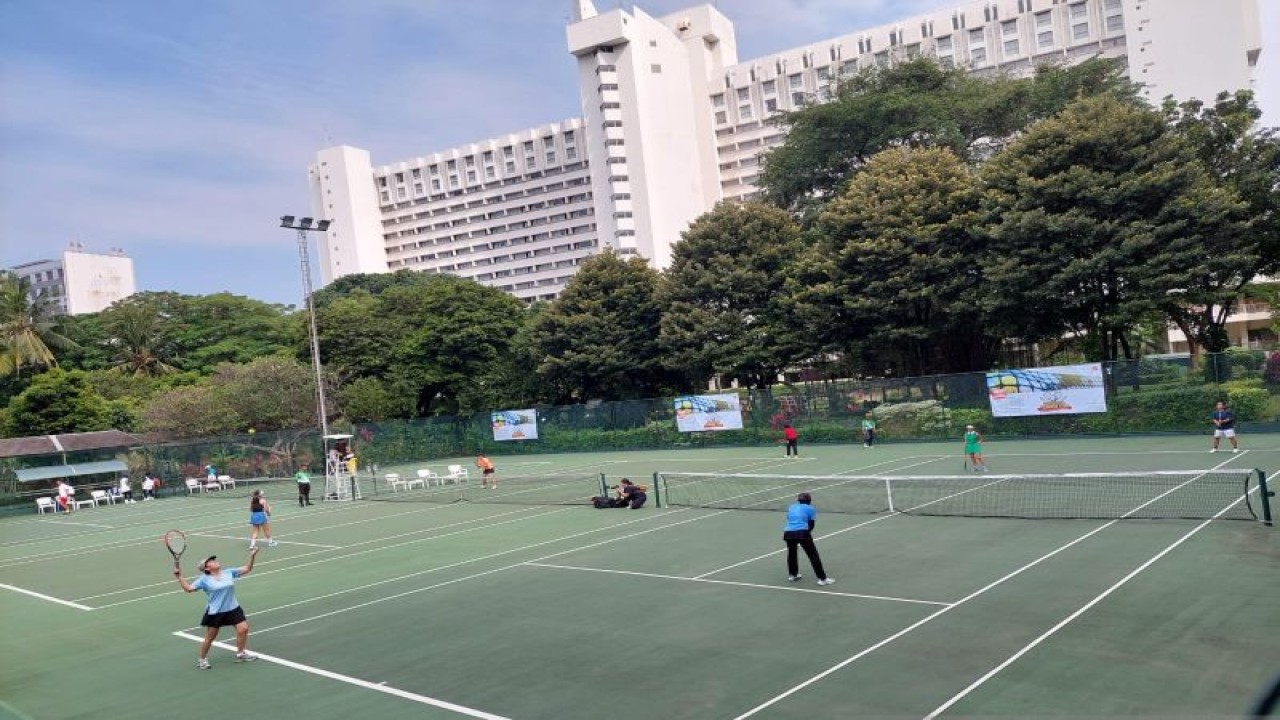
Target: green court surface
{"type": "Point", "coordinates": [487, 609]}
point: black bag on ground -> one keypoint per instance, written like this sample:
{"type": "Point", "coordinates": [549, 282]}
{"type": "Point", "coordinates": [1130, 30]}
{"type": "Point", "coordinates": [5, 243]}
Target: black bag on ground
{"type": "Point", "coordinates": [601, 502]}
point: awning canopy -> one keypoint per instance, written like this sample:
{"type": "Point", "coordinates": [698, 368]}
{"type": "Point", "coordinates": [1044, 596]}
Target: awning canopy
{"type": "Point", "coordinates": [50, 472]}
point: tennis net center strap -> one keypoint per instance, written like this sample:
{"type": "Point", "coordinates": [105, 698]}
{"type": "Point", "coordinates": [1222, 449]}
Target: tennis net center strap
{"type": "Point", "coordinates": [1194, 494]}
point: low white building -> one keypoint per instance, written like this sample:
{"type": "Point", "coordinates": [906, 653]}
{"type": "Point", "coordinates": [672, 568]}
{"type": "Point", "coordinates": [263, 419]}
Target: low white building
{"type": "Point", "coordinates": [79, 281]}
{"type": "Point", "coordinates": [674, 122]}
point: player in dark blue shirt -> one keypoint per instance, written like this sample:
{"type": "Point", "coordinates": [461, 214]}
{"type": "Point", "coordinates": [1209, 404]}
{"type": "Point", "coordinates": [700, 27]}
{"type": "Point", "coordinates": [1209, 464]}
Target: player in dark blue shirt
{"type": "Point", "coordinates": [801, 518]}
{"type": "Point", "coordinates": [1224, 426]}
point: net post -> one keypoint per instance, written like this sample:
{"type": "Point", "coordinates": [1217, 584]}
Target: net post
{"type": "Point", "coordinates": [604, 486]}
{"type": "Point", "coordinates": [657, 490]}
{"type": "Point", "coordinates": [1265, 494]}
{"type": "Point", "coordinates": [888, 491]}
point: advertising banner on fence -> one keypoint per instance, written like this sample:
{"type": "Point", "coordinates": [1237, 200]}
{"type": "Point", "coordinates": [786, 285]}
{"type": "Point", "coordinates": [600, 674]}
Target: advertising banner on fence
{"type": "Point", "coordinates": [515, 425]}
{"type": "Point", "coordinates": [708, 412]}
{"type": "Point", "coordinates": [1061, 390]}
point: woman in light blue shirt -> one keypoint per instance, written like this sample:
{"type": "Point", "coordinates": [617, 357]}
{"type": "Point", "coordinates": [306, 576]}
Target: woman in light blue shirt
{"type": "Point", "coordinates": [223, 608]}
{"type": "Point", "coordinates": [801, 518]}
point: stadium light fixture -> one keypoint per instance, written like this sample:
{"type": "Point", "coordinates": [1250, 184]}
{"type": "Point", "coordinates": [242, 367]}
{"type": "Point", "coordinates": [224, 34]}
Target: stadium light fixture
{"type": "Point", "coordinates": [304, 226]}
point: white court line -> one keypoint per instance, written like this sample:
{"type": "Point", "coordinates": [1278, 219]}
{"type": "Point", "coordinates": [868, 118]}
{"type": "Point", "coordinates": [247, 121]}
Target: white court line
{"type": "Point", "coordinates": [278, 542]}
{"type": "Point", "coordinates": [379, 687]}
{"type": "Point", "coordinates": [739, 584]}
{"type": "Point", "coordinates": [367, 542]}
{"type": "Point", "coordinates": [490, 572]}
{"type": "Point", "coordinates": [976, 593]}
{"type": "Point", "coordinates": [330, 559]}
{"type": "Point", "coordinates": [1083, 609]}
{"type": "Point", "coordinates": [49, 598]}
{"type": "Point", "coordinates": [72, 522]}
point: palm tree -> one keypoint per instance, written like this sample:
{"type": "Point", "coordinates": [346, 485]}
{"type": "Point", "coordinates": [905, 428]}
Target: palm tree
{"type": "Point", "coordinates": [139, 340]}
{"type": "Point", "coordinates": [28, 327]}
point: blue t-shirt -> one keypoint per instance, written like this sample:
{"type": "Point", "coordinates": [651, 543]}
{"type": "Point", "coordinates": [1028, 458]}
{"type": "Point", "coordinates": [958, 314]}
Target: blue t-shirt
{"type": "Point", "coordinates": [1228, 421]}
{"type": "Point", "coordinates": [221, 590]}
{"type": "Point", "coordinates": [799, 515]}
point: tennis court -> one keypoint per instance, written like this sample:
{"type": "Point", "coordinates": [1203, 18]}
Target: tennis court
{"type": "Point", "coordinates": [497, 608]}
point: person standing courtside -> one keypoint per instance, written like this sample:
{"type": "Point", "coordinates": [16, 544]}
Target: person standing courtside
{"type": "Point", "coordinates": [868, 430]}
{"type": "Point", "coordinates": [801, 519]}
{"type": "Point", "coordinates": [1224, 426]}
{"type": "Point", "coordinates": [487, 479]}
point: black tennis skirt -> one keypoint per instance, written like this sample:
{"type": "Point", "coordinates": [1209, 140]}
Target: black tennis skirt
{"type": "Point", "coordinates": [234, 616]}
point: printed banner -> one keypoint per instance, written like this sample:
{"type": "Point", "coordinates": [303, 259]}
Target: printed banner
{"type": "Point", "coordinates": [708, 412]}
{"type": "Point", "coordinates": [515, 425]}
{"type": "Point", "coordinates": [1062, 390]}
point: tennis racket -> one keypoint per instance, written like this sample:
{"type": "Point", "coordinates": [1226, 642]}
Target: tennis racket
{"type": "Point", "coordinates": [175, 541]}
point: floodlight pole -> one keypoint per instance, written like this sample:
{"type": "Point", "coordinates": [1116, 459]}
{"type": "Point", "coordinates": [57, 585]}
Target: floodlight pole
{"type": "Point", "coordinates": [303, 227]}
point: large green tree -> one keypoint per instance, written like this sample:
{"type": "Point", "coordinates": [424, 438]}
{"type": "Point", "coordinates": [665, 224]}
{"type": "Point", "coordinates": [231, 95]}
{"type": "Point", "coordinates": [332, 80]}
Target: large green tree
{"type": "Point", "coordinates": [29, 331]}
{"type": "Point", "coordinates": [896, 265]}
{"type": "Point", "coordinates": [1096, 217]}
{"type": "Point", "coordinates": [58, 401]}
{"type": "Point", "coordinates": [1240, 155]}
{"type": "Point", "coordinates": [725, 306]}
{"type": "Point", "coordinates": [599, 339]}
{"type": "Point", "coordinates": [917, 103]}
{"type": "Point", "coordinates": [270, 393]}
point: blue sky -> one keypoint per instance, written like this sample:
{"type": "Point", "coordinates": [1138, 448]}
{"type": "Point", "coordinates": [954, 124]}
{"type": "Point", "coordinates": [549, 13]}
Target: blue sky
{"type": "Point", "coordinates": [181, 131]}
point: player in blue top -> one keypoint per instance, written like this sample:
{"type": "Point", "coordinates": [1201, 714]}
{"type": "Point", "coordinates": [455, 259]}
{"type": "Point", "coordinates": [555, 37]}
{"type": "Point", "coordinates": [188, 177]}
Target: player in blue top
{"type": "Point", "coordinates": [1224, 426]}
{"type": "Point", "coordinates": [798, 532]}
{"type": "Point", "coordinates": [223, 608]}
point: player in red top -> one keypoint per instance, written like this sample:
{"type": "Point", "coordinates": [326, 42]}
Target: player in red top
{"type": "Point", "coordinates": [791, 437]}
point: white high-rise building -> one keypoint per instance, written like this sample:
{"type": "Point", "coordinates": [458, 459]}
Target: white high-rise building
{"type": "Point", "coordinates": [80, 282]}
{"type": "Point", "coordinates": [674, 122]}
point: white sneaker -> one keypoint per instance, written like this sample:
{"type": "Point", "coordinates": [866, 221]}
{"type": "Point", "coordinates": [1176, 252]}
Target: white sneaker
{"type": "Point", "coordinates": [245, 657]}
{"type": "Point", "coordinates": [793, 578]}
{"type": "Point", "coordinates": [1235, 450]}
{"type": "Point", "coordinates": [1213, 450]}
{"type": "Point", "coordinates": [272, 543]}
{"type": "Point", "coordinates": [826, 581]}
{"type": "Point", "coordinates": [253, 546]}
{"type": "Point", "coordinates": [202, 664]}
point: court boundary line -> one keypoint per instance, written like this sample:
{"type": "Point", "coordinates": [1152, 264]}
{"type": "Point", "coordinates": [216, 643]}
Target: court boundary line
{"type": "Point", "coordinates": [976, 593]}
{"type": "Point", "coordinates": [507, 567]}
{"type": "Point", "coordinates": [47, 598]}
{"type": "Point", "coordinates": [265, 541]}
{"type": "Point", "coordinates": [359, 682]}
{"type": "Point", "coordinates": [1081, 610]}
{"type": "Point", "coordinates": [788, 588]}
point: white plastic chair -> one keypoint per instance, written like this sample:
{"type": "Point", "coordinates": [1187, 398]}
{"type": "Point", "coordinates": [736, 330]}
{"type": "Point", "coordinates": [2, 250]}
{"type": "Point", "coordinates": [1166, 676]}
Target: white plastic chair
{"type": "Point", "coordinates": [395, 481]}
{"type": "Point", "coordinates": [226, 481]}
{"type": "Point", "coordinates": [101, 497]}
{"type": "Point", "coordinates": [426, 476]}
{"type": "Point", "coordinates": [194, 486]}
{"type": "Point", "coordinates": [457, 474]}
{"type": "Point", "coordinates": [46, 504]}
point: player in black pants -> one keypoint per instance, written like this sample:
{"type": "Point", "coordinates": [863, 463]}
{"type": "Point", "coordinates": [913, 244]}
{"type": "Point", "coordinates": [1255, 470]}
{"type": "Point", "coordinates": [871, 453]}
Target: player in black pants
{"type": "Point", "coordinates": [801, 518]}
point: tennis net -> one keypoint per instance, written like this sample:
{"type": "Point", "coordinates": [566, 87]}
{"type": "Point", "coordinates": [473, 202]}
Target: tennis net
{"type": "Point", "coordinates": [1193, 494]}
{"type": "Point", "coordinates": [511, 489]}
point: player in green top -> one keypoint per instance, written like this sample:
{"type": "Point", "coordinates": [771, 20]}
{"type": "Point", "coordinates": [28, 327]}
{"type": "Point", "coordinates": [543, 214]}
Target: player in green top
{"type": "Point", "coordinates": [973, 448]}
{"type": "Point", "coordinates": [304, 486]}
{"type": "Point", "coordinates": [868, 431]}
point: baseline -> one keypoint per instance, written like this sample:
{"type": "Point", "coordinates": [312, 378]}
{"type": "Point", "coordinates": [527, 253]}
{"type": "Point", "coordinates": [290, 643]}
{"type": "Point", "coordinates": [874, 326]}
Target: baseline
{"type": "Point", "coordinates": [378, 687]}
{"type": "Point", "coordinates": [48, 598]}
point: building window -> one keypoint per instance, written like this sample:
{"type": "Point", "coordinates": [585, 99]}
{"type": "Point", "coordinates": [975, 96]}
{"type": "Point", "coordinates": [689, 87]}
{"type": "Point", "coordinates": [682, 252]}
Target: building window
{"type": "Point", "coordinates": [655, 68]}
{"type": "Point", "coordinates": [471, 176]}
{"type": "Point", "coordinates": [1079, 10]}
{"type": "Point", "coordinates": [944, 45]}
{"type": "Point", "coordinates": [1080, 31]}
{"type": "Point", "coordinates": [1045, 39]}
{"type": "Point", "coordinates": [417, 188]}
{"type": "Point", "coordinates": [797, 99]}
{"type": "Point", "coordinates": [511, 167]}
{"type": "Point", "coordinates": [744, 94]}
{"type": "Point", "coordinates": [571, 153]}
{"type": "Point", "coordinates": [1044, 19]}
{"type": "Point", "coordinates": [435, 185]}
{"type": "Point", "coordinates": [717, 100]}
{"type": "Point", "coordinates": [721, 117]}
{"type": "Point", "coordinates": [385, 197]}
{"type": "Point", "coordinates": [528, 147]}
{"type": "Point", "coordinates": [771, 105]}
{"type": "Point", "coordinates": [508, 152]}
{"type": "Point", "coordinates": [1112, 5]}
{"type": "Point", "coordinates": [551, 157]}
{"type": "Point", "coordinates": [1115, 23]}
{"type": "Point", "coordinates": [1009, 28]}
{"type": "Point", "coordinates": [848, 67]}
{"type": "Point", "coordinates": [399, 177]}
{"type": "Point", "coordinates": [1010, 48]}
{"type": "Point", "coordinates": [978, 56]}
{"type": "Point", "coordinates": [796, 82]}
{"type": "Point", "coordinates": [824, 74]}
{"type": "Point", "coordinates": [977, 37]}
{"type": "Point", "coordinates": [744, 112]}
{"type": "Point", "coordinates": [417, 173]}
{"type": "Point", "coordinates": [882, 58]}
{"type": "Point", "coordinates": [489, 172]}
{"type": "Point", "coordinates": [470, 161]}
{"type": "Point", "coordinates": [382, 182]}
